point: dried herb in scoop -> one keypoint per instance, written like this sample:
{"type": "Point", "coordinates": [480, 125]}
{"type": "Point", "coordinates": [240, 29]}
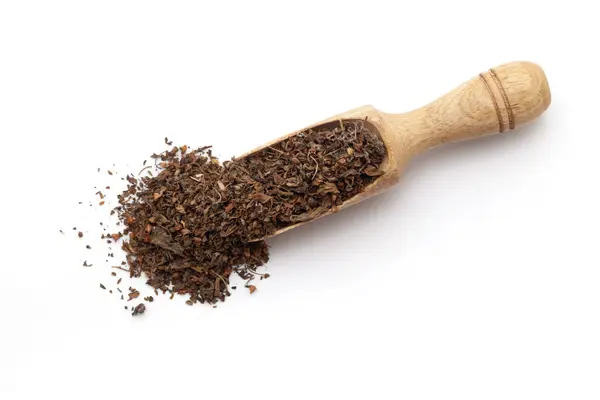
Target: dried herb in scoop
{"type": "Point", "coordinates": [195, 222]}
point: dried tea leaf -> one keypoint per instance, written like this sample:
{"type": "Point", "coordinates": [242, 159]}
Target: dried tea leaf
{"type": "Point", "coordinates": [133, 295]}
{"type": "Point", "coordinates": [261, 197]}
{"type": "Point", "coordinates": [161, 238]}
{"type": "Point", "coordinates": [372, 170]}
{"type": "Point", "coordinates": [328, 187]}
{"type": "Point", "coordinates": [139, 309]}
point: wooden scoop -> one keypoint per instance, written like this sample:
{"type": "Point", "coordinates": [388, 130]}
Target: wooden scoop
{"type": "Point", "coordinates": [495, 101]}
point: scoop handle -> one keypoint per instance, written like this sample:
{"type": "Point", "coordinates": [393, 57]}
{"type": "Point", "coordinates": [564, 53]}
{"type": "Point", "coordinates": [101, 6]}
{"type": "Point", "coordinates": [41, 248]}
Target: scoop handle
{"type": "Point", "coordinates": [495, 101]}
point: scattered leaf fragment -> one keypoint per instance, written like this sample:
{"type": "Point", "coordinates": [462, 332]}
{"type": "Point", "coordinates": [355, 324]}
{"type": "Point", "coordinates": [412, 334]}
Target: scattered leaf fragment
{"type": "Point", "coordinates": [133, 295]}
{"type": "Point", "coordinates": [139, 309]}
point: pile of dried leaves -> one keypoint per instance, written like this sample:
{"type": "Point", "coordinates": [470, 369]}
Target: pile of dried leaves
{"type": "Point", "coordinates": [195, 223]}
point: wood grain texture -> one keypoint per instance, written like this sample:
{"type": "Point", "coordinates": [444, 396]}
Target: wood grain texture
{"type": "Point", "coordinates": [496, 101]}
{"type": "Point", "coordinates": [493, 102]}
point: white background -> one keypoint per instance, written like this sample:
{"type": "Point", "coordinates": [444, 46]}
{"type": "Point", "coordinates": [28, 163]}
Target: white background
{"type": "Point", "coordinates": [478, 277]}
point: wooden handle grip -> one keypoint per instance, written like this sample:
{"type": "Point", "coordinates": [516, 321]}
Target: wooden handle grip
{"type": "Point", "coordinates": [495, 101]}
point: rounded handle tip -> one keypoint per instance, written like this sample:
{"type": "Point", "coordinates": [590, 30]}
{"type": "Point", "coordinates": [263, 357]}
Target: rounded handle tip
{"type": "Point", "coordinates": [520, 90]}
{"type": "Point", "coordinates": [538, 82]}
